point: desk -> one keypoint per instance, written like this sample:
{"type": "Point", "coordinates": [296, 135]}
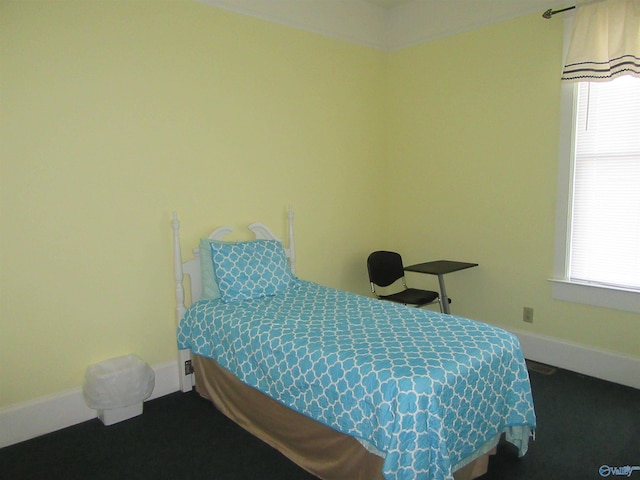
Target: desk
{"type": "Point", "coordinates": [440, 268]}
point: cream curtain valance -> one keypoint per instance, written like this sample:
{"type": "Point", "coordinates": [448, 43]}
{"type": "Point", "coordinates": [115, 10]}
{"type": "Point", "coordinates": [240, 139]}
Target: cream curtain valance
{"type": "Point", "coordinates": [605, 42]}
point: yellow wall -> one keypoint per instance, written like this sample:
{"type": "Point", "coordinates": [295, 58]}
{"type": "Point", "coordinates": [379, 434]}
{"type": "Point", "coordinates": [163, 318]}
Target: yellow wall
{"type": "Point", "coordinates": [116, 113]}
{"type": "Point", "coordinates": [473, 148]}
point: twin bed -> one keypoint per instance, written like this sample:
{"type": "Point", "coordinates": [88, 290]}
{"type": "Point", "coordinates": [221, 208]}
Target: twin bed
{"type": "Point", "coordinates": [346, 386]}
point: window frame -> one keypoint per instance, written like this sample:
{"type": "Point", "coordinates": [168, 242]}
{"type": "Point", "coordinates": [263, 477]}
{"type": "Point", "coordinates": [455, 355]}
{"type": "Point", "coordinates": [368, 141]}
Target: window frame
{"type": "Point", "coordinates": [562, 287]}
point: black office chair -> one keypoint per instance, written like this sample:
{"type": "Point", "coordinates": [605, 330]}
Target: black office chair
{"type": "Point", "coordinates": [386, 268]}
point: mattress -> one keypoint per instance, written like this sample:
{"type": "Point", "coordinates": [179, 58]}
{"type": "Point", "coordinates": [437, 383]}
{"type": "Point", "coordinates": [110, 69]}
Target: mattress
{"type": "Point", "coordinates": [427, 392]}
{"type": "Point", "coordinates": [322, 451]}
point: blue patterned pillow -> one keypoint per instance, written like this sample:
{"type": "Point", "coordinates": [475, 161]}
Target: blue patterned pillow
{"type": "Point", "coordinates": [247, 270]}
{"type": "Point", "coordinates": [210, 288]}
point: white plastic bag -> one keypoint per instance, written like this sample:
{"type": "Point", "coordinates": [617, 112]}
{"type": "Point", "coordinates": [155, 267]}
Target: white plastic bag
{"type": "Point", "coordinates": [117, 383]}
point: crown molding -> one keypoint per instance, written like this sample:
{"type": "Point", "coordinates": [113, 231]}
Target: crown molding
{"type": "Point", "coordinates": [422, 21]}
{"type": "Point", "coordinates": [362, 22]}
{"type": "Point", "coordinates": [355, 21]}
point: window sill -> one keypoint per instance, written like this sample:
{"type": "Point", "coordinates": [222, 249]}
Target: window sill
{"type": "Point", "coordinates": [597, 295]}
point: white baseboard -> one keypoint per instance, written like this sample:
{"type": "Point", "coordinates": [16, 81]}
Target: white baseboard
{"type": "Point", "coordinates": [47, 414]}
{"type": "Point", "coordinates": [602, 364]}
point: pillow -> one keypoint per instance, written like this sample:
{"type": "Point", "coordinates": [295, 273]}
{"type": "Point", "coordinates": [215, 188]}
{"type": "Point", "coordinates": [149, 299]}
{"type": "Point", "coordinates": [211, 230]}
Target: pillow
{"type": "Point", "coordinates": [210, 288]}
{"type": "Point", "coordinates": [246, 270]}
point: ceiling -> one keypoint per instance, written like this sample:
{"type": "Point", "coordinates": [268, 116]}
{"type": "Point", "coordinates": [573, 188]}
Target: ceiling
{"type": "Point", "coordinates": [388, 24]}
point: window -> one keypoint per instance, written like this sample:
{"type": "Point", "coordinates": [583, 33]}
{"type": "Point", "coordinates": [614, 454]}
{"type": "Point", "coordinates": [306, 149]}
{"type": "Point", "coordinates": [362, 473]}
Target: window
{"type": "Point", "coordinates": [598, 228]}
{"type": "Point", "coordinates": [605, 216]}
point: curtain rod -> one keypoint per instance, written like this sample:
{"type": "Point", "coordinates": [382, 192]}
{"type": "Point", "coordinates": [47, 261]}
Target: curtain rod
{"type": "Point", "coordinates": [549, 13]}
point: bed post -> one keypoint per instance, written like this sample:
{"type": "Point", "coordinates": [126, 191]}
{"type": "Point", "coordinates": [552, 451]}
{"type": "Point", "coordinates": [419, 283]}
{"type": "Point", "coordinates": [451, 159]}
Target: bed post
{"type": "Point", "coordinates": [185, 372]}
{"type": "Point", "coordinates": [292, 243]}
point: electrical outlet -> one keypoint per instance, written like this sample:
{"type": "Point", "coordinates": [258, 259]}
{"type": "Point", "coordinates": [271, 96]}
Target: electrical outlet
{"type": "Point", "coordinates": [527, 314]}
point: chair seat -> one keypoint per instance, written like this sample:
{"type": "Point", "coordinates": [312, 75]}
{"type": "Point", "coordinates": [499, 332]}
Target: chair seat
{"type": "Point", "coordinates": [412, 296]}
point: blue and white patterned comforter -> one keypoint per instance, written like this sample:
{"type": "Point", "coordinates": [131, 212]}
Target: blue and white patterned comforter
{"type": "Point", "coordinates": [427, 390]}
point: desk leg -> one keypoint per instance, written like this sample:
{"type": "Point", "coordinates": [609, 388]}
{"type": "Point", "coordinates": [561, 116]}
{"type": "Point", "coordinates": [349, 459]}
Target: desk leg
{"type": "Point", "coordinates": [443, 295]}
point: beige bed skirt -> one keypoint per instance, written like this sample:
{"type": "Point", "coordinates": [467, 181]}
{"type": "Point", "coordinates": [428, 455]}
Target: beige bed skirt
{"type": "Point", "coordinates": [322, 451]}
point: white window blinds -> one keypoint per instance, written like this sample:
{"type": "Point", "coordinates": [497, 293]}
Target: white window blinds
{"type": "Point", "coordinates": [605, 218]}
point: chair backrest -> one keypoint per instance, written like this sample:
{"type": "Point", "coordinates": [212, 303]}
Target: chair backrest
{"type": "Point", "coordinates": [384, 268]}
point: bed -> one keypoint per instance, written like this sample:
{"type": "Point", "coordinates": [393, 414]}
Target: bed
{"type": "Point", "coordinates": [346, 386]}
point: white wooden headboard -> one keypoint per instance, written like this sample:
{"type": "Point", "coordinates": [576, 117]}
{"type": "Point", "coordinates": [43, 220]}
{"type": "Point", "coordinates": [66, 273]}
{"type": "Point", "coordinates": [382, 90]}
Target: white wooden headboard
{"type": "Point", "coordinates": [191, 268]}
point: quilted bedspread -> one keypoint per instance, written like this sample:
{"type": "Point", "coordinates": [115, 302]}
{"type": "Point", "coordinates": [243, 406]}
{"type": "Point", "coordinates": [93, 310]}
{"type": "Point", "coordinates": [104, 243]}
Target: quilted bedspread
{"type": "Point", "coordinates": [426, 390]}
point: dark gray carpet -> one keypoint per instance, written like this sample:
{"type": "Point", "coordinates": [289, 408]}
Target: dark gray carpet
{"type": "Point", "coordinates": [583, 423]}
